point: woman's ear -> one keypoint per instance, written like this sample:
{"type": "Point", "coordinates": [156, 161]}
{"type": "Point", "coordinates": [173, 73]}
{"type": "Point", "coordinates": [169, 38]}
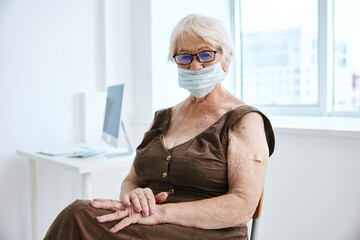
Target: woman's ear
{"type": "Point", "coordinates": [223, 65]}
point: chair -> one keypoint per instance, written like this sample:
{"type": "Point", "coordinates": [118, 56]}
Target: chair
{"type": "Point", "coordinates": [256, 219]}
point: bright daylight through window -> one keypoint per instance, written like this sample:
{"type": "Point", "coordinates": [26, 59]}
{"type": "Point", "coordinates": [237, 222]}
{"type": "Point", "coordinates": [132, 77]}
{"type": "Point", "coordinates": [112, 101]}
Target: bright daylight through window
{"type": "Point", "coordinates": [346, 55]}
{"type": "Point", "coordinates": [280, 59]}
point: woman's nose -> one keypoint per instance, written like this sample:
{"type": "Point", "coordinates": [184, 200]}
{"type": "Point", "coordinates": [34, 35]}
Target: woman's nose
{"type": "Point", "coordinates": [195, 65]}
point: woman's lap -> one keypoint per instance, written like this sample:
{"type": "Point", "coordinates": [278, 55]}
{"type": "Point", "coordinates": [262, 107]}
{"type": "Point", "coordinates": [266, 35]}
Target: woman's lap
{"type": "Point", "coordinates": [78, 221]}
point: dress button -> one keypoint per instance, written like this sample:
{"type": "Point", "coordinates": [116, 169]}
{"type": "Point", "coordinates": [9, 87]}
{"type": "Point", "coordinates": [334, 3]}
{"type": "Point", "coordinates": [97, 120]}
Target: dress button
{"type": "Point", "coordinates": [164, 175]}
{"type": "Point", "coordinates": [171, 191]}
{"type": "Point", "coordinates": [168, 158]}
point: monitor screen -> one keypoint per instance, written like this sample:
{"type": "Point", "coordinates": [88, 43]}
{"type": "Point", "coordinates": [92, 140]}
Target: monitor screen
{"type": "Point", "coordinates": [112, 118]}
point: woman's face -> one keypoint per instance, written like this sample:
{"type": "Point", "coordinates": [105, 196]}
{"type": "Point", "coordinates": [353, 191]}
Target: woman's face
{"type": "Point", "coordinates": [194, 45]}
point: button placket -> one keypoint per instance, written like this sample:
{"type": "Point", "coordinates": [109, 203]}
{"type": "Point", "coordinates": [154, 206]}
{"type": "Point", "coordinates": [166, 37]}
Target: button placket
{"type": "Point", "coordinates": [166, 163]}
{"type": "Point", "coordinates": [171, 191]}
{"type": "Point", "coordinates": [165, 174]}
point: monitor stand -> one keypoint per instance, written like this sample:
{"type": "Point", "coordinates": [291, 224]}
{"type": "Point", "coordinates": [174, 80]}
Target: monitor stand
{"type": "Point", "coordinates": [129, 149]}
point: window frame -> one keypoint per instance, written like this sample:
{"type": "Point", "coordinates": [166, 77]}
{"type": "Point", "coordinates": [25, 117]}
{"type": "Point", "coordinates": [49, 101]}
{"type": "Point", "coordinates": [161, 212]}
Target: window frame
{"type": "Point", "coordinates": [325, 104]}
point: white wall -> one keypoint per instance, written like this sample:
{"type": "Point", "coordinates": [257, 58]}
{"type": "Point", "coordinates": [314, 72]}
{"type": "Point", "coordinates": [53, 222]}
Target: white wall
{"type": "Point", "coordinates": [49, 53]}
{"type": "Point", "coordinates": [46, 58]}
{"type": "Point", "coordinates": [141, 68]}
{"type": "Point", "coordinates": [118, 51]}
{"type": "Point", "coordinates": [312, 188]}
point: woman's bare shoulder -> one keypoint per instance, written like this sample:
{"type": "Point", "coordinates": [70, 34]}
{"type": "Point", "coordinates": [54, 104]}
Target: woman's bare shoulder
{"type": "Point", "coordinates": [248, 124]}
{"type": "Point", "coordinates": [235, 103]}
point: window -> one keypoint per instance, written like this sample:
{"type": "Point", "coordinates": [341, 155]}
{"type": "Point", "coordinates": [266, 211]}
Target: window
{"type": "Point", "coordinates": [298, 57]}
{"type": "Point", "coordinates": [346, 55]}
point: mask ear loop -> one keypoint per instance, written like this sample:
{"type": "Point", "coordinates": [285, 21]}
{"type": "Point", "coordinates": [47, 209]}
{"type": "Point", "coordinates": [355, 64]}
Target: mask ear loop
{"type": "Point", "coordinates": [221, 63]}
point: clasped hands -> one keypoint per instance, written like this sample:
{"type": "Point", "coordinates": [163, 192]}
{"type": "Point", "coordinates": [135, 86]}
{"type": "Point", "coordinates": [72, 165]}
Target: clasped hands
{"type": "Point", "coordinates": [137, 206]}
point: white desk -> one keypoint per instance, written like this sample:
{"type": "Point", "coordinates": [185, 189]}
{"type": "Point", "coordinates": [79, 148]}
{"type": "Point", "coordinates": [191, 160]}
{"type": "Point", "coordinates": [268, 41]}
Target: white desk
{"type": "Point", "coordinates": [82, 166]}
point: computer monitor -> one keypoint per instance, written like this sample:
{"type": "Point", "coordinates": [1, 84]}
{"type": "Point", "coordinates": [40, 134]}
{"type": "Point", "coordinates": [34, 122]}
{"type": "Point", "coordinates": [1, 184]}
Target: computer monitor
{"type": "Point", "coordinates": [112, 120]}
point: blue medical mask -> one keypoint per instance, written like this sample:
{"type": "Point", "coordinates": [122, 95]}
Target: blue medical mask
{"type": "Point", "coordinates": [201, 82]}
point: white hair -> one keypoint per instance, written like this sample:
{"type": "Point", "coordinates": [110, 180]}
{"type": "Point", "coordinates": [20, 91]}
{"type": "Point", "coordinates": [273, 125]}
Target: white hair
{"type": "Point", "coordinates": [209, 29]}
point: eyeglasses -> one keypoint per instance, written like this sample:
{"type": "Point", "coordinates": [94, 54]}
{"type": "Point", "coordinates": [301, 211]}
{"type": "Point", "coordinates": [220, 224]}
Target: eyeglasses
{"type": "Point", "coordinates": [202, 57]}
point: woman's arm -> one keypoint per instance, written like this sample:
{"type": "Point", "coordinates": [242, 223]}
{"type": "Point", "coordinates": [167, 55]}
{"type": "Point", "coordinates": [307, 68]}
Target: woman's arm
{"type": "Point", "coordinates": [246, 178]}
{"type": "Point", "coordinates": [130, 183]}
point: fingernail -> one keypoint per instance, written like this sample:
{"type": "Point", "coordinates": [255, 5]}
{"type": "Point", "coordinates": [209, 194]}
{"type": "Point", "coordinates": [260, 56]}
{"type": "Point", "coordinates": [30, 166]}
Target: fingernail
{"type": "Point", "coordinates": [95, 199]}
{"type": "Point", "coordinates": [138, 208]}
{"type": "Point", "coordinates": [111, 230]}
{"type": "Point", "coordinates": [145, 213]}
{"type": "Point", "coordinates": [126, 203]}
{"type": "Point", "coordinates": [98, 218]}
{"type": "Point", "coordinates": [152, 210]}
{"type": "Point", "coordinates": [94, 203]}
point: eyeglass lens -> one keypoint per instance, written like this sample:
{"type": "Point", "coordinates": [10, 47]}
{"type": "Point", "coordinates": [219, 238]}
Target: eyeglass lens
{"type": "Point", "coordinates": [202, 57]}
{"type": "Point", "coordinates": [206, 56]}
{"type": "Point", "coordinates": [183, 59]}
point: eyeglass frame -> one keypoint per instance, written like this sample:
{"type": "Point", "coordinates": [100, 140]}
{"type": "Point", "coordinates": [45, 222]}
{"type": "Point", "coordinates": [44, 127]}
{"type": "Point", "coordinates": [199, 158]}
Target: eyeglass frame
{"type": "Point", "coordinates": [197, 57]}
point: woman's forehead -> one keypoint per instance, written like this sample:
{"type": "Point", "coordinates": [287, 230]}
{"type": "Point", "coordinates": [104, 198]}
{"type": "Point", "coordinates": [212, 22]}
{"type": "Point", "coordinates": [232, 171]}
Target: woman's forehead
{"type": "Point", "coordinates": [193, 44]}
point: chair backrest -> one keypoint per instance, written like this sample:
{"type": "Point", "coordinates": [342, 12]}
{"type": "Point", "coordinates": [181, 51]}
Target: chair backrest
{"type": "Point", "coordinates": [257, 212]}
{"type": "Point", "coordinates": [256, 219]}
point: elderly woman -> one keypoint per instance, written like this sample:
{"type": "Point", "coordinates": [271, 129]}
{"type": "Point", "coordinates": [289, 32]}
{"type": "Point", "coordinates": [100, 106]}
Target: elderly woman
{"type": "Point", "coordinates": [199, 171]}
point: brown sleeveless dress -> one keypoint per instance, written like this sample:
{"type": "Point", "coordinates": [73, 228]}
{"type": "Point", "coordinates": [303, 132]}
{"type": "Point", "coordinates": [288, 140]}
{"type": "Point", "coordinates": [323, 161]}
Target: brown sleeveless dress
{"type": "Point", "coordinates": [193, 170]}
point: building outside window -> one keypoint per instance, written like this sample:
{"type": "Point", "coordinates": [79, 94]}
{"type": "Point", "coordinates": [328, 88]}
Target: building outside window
{"type": "Point", "coordinates": [346, 55]}
{"type": "Point", "coordinates": [299, 54]}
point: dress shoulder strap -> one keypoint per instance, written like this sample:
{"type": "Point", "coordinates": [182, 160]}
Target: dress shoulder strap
{"type": "Point", "coordinates": [161, 119]}
{"type": "Point", "coordinates": [235, 115]}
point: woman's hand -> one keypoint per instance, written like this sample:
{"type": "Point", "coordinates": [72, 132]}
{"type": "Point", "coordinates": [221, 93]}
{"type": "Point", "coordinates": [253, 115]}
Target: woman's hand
{"type": "Point", "coordinates": [143, 200]}
{"type": "Point", "coordinates": [126, 214]}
